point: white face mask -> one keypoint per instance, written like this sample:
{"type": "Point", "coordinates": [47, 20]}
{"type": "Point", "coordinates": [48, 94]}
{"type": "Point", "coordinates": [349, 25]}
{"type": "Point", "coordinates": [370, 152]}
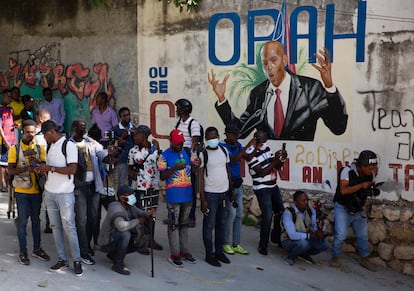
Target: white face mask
{"type": "Point", "coordinates": [213, 143]}
{"type": "Point", "coordinates": [132, 199]}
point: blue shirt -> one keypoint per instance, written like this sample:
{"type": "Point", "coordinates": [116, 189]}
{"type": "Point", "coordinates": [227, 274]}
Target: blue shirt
{"type": "Point", "coordinates": [234, 150]}
{"type": "Point", "coordinates": [127, 143]}
{"type": "Point", "coordinates": [178, 188]}
{"type": "Point", "coordinates": [290, 226]}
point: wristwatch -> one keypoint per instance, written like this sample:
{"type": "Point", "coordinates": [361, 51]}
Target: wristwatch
{"type": "Point", "coordinates": [52, 169]}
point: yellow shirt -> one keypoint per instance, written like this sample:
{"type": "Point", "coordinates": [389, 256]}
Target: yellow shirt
{"type": "Point", "coordinates": [28, 151]}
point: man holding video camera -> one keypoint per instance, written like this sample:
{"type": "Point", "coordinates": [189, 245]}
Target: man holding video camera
{"type": "Point", "coordinates": [356, 182]}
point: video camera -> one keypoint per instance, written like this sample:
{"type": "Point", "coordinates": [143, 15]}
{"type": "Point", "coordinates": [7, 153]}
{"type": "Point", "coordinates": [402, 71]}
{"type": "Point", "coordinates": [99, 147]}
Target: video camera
{"type": "Point", "coordinates": [137, 166]}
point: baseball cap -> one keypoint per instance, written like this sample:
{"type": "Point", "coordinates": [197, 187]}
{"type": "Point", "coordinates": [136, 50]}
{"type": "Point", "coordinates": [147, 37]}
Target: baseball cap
{"type": "Point", "coordinates": [232, 128]}
{"type": "Point", "coordinates": [367, 158]}
{"type": "Point", "coordinates": [176, 136]}
{"type": "Point", "coordinates": [122, 190]}
{"type": "Point", "coordinates": [49, 125]}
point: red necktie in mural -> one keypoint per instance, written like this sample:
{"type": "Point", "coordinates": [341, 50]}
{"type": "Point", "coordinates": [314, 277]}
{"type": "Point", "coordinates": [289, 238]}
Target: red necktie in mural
{"type": "Point", "coordinates": [278, 114]}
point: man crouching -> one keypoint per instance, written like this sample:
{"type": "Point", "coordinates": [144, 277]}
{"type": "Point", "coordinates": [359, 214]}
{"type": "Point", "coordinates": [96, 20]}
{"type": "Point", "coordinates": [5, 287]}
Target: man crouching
{"type": "Point", "coordinates": [123, 231]}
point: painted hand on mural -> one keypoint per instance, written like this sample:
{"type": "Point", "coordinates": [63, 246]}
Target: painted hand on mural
{"type": "Point", "coordinates": [324, 67]}
{"type": "Point", "coordinates": [218, 87]}
{"type": "Point", "coordinates": [303, 100]}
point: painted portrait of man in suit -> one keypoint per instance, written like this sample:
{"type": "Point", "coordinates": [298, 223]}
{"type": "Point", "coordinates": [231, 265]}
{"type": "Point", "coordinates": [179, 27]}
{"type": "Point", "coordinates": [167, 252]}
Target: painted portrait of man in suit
{"type": "Point", "coordinates": [287, 105]}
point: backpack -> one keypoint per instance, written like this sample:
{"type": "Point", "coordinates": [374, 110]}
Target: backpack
{"type": "Point", "coordinates": [275, 236]}
{"type": "Point", "coordinates": [40, 178]}
{"type": "Point", "coordinates": [189, 127]}
{"type": "Point", "coordinates": [205, 156]}
{"type": "Point", "coordinates": [80, 175]}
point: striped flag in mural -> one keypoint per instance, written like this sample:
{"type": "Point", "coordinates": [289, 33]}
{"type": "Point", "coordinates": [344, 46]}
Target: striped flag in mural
{"type": "Point", "coordinates": [282, 34]}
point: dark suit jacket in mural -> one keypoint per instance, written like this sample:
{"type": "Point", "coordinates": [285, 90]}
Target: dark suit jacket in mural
{"type": "Point", "coordinates": [308, 101]}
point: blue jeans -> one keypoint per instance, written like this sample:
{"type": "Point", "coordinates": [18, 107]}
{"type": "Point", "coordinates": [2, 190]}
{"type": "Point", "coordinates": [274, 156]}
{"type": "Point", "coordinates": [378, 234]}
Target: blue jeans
{"type": "Point", "coordinates": [61, 209]}
{"type": "Point", "coordinates": [359, 223]}
{"type": "Point", "coordinates": [215, 219]}
{"type": "Point", "coordinates": [270, 201]}
{"type": "Point", "coordinates": [28, 205]}
{"type": "Point", "coordinates": [234, 218]}
{"type": "Point", "coordinates": [86, 209]}
{"type": "Point", "coordinates": [119, 246]}
{"type": "Point", "coordinates": [296, 248]}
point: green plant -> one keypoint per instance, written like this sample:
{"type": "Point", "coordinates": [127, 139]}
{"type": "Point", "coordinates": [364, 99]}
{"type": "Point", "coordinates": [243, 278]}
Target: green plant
{"type": "Point", "coordinates": [188, 4]}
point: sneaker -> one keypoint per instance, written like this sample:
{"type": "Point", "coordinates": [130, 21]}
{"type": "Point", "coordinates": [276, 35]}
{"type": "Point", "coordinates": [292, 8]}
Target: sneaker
{"type": "Point", "coordinates": [307, 259]}
{"type": "Point", "coordinates": [222, 258]}
{"type": "Point", "coordinates": [156, 246]}
{"type": "Point", "coordinates": [228, 249]}
{"type": "Point", "coordinates": [238, 249]}
{"type": "Point", "coordinates": [368, 265]}
{"type": "Point", "coordinates": [121, 269]}
{"type": "Point", "coordinates": [41, 254]}
{"type": "Point", "coordinates": [23, 259]}
{"type": "Point", "coordinates": [78, 268]}
{"type": "Point", "coordinates": [212, 260]}
{"type": "Point", "coordinates": [87, 259]}
{"type": "Point", "coordinates": [48, 230]}
{"type": "Point", "coordinates": [334, 262]}
{"type": "Point", "coordinates": [144, 251]}
{"type": "Point", "coordinates": [188, 258]}
{"type": "Point", "coordinates": [59, 266]}
{"type": "Point", "coordinates": [289, 262]}
{"type": "Point", "coordinates": [176, 261]}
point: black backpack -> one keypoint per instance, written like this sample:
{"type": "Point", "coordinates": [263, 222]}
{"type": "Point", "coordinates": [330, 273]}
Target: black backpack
{"type": "Point", "coordinates": [277, 226]}
{"type": "Point", "coordinates": [80, 175]}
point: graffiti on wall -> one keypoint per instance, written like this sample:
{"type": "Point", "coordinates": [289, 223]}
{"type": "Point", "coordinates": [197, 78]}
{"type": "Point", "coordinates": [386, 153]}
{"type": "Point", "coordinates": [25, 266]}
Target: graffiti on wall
{"type": "Point", "coordinates": [76, 84]}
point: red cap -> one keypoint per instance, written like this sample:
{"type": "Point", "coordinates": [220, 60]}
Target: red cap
{"type": "Point", "coordinates": [177, 136]}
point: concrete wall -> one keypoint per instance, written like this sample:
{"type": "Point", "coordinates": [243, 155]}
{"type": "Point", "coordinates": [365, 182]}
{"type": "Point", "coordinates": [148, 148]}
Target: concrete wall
{"type": "Point", "coordinates": [372, 68]}
{"type": "Point", "coordinates": [148, 55]}
{"type": "Point", "coordinates": [76, 50]}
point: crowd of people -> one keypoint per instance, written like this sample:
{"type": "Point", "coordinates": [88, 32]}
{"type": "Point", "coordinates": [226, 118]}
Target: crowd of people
{"type": "Point", "coordinates": [116, 165]}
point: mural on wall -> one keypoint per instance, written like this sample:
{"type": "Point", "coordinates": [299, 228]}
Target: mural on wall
{"type": "Point", "coordinates": [357, 118]}
{"type": "Point", "coordinates": [75, 84]}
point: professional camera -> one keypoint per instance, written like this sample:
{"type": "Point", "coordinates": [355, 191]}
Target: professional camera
{"type": "Point", "coordinates": [371, 191]}
{"type": "Point", "coordinates": [358, 199]}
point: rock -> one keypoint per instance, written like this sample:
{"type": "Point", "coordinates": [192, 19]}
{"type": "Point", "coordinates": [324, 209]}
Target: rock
{"type": "Point", "coordinates": [329, 228]}
{"type": "Point", "coordinates": [378, 262]}
{"type": "Point", "coordinates": [386, 251]}
{"type": "Point", "coordinates": [405, 253]}
{"type": "Point", "coordinates": [396, 265]}
{"type": "Point", "coordinates": [347, 248]}
{"type": "Point", "coordinates": [392, 214]}
{"type": "Point", "coordinates": [401, 231]}
{"type": "Point", "coordinates": [254, 207]}
{"type": "Point", "coordinates": [377, 231]}
{"type": "Point", "coordinates": [331, 217]}
{"type": "Point", "coordinates": [406, 215]}
{"type": "Point", "coordinates": [376, 212]}
{"type": "Point", "coordinates": [408, 269]}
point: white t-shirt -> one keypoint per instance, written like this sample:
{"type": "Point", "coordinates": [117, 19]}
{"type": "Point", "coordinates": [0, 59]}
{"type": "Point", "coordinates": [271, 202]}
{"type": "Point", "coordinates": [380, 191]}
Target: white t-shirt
{"type": "Point", "coordinates": [60, 183]}
{"type": "Point", "coordinates": [195, 131]}
{"type": "Point", "coordinates": [217, 180]}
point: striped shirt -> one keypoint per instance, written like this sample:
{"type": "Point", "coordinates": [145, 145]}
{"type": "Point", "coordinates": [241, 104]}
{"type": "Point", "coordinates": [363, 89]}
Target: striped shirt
{"type": "Point", "coordinates": [263, 158]}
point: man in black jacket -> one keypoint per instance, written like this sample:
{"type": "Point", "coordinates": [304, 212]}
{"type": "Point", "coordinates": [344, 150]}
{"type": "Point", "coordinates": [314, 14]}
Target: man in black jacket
{"type": "Point", "coordinates": [287, 105]}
